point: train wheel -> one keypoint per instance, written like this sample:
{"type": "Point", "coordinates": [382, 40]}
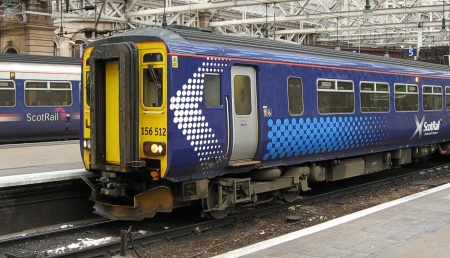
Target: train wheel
{"type": "Point", "coordinates": [289, 196]}
{"type": "Point", "coordinates": [213, 201]}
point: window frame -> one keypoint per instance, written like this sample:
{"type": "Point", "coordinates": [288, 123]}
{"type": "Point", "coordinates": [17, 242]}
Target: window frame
{"type": "Point", "coordinates": [335, 89]}
{"type": "Point", "coordinates": [153, 59]}
{"type": "Point", "coordinates": [206, 96]}
{"type": "Point", "coordinates": [9, 89]}
{"type": "Point", "coordinates": [248, 97]}
{"type": "Point", "coordinates": [432, 94]}
{"type": "Point", "coordinates": [375, 91]}
{"type": "Point", "coordinates": [48, 88]}
{"type": "Point", "coordinates": [447, 97]}
{"type": "Point", "coordinates": [406, 93]}
{"type": "Point", "coordinates": [302, 107]}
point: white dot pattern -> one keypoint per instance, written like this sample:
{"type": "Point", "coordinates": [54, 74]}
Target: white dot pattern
{"type": "Point", "coordinates": [190, 119]}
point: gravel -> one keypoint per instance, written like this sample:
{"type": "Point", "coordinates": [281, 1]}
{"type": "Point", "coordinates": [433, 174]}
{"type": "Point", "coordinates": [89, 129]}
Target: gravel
{"type": "Point", "coordinates": [226, 239]}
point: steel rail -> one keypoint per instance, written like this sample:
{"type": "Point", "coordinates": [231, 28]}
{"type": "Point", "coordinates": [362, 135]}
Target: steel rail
{"type": "Point", "coordinates": [114, 247]}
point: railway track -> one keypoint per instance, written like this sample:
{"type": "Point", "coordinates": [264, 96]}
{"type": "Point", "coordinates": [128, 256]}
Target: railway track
{"type": "Point", "coordinates": [340, 191]}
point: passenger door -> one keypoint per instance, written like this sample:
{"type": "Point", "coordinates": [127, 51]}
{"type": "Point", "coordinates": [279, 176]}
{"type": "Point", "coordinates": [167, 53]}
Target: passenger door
{"type": "Point", "coordinates": [244, 115]}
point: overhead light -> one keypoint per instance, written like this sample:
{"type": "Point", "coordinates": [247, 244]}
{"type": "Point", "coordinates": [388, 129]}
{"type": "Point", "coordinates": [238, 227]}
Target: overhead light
{"type": "Point", "coordinates": [9, 12]}
{"type": "Point", "coordinates": [61, 28]}
{"type": "Point", "coordinates": [443, 32]}
{"type": "Point", "coordinates": [367, 13]}
{"type": "Point", "coordinates": [337, 47]}
{"type": "Point", "coordinates": [61, 33]}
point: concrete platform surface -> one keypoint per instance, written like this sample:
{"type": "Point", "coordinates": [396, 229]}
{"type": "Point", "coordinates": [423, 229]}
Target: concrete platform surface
{"type": "Point", "coordinates": [31, 163]}
{"type": "Point", "coordinates": [37, 154]}
{"type": "Point", "coordinates": [413, 226]}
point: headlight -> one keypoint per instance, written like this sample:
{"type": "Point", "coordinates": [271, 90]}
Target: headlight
{"type": "Point", "coordinates": [155, 148]}
{"type": "Point", "coordinates": [87, 144]}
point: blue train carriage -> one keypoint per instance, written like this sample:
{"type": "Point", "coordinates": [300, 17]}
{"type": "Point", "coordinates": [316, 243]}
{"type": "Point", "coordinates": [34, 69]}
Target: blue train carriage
{"type": "Point", "coordinates": [39, 98]}
{"type": "Point", "coordinates": [176, 116]}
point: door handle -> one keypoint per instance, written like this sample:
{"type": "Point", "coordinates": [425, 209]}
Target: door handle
{"type": "Point", "coordinates": [227, 104]}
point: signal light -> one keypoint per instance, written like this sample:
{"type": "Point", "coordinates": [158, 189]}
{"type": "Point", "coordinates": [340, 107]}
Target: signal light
{"type": "Point", "coordinates": [155, 148]}
{"type": "Point", "coordinates": [87, 144]}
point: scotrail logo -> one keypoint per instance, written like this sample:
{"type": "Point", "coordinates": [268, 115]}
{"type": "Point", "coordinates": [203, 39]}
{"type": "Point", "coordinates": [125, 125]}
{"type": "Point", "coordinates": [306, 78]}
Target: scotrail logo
{"type": "Point", "coordinates": [426, 128]}
{"type": "Point", "coordinates": [59, 114]}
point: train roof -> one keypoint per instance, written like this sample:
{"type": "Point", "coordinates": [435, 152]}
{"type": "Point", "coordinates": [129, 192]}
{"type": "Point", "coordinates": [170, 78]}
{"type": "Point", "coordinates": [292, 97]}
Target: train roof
{"type": "Point", "coordinates": [20, 58]}
{"type": "Point", "coordinates": [181, 39]}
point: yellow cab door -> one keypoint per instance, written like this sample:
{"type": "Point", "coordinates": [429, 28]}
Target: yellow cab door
{"type": "Point", "coordinates": [153, 131]}
{"type": "Point", "coordinates": [114, 91]}
{"type": "Point", "coordinates": [109, 74]}
{"type": "Point", "coordinates": [112, 112]}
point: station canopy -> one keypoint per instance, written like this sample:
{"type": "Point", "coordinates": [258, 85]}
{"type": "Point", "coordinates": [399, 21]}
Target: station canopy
{"type": "Point", "coordinates": [355, 23]}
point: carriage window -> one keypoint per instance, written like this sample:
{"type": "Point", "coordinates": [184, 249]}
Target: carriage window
{"type": "Point", "coordinates": [153, 57]}
{"type": "Point", "coordinates": [40, 93]}
{"type": "Point", "coordinates": [7, 94]}
{"type": "Point", "coordinates": [374, 97]}
{"type": "Point", "coordinates": [242, 95]}
{"type": "Point", "coordinates": [295, 96]}
{"type": "Point", "coordinates": [212, 90]}
{"type": "Point", "coordinates": [447, 97]}
{"type": "Point", "coordinates": [335, 97]}
{"type": "Point", "coordinates": [406, 97]}
{"type": "Point", "coordinates": [432, 98]}
{"type": "Point", "coordinates": [152, 83]}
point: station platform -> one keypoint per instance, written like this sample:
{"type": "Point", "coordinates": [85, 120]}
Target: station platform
{"type": "Point", "coordinates": [33, 163]}
{"type": "Point", "coordinates": [414, 226]}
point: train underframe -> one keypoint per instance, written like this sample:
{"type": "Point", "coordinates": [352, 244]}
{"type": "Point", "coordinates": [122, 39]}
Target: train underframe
{"type": "Point", "coordinates": [127, 196]}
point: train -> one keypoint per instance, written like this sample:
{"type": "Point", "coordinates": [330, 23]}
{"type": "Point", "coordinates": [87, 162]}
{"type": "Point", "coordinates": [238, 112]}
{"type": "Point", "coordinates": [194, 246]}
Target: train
{"type": "Point", "coordinates": [175, 116]}
{"type": "Point", "coordinates": [39, 98]}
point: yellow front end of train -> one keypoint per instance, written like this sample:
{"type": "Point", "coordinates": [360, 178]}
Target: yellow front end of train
{"type": "Point", "coordinates": [125, 128]}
